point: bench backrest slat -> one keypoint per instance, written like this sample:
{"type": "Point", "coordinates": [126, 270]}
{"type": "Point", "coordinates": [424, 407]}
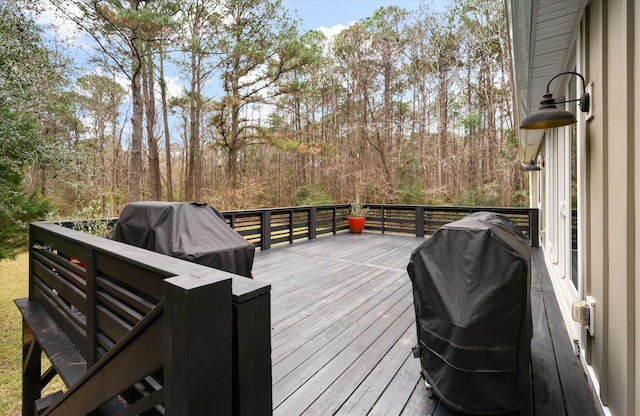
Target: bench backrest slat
{"type": "Point", "coordinates": [136, 302]}
{"type": "Point", "coordinates": [76, 333]}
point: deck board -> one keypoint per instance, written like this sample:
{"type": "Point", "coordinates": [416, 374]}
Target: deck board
{"type": "Point", "coordinates": [332, 359]}
{"type": "Point", "coordinates": [396, 394]}
{"type": "Point", "coordinates": [547, 392]}
{"type": "Point", "coordinates": [343, 325]}
{"type": "Point", "coordinates": [360, 359]}
{"type": "Point", "coordinates": [330, 300]}
{"type": "Point", "coordinates": [326, 329]}
{"type": "Point", "coordinates": [364, 397]}
{"type": "Point", "coordinates": [419, 404]}
{"type": "Point", "coordinates": [568, 392]}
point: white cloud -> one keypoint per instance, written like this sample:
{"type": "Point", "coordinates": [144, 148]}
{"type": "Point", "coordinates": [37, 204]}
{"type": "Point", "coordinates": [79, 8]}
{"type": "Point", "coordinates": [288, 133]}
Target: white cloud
{"type": "Point", "coordinates": [122, 80]}
{"type": "Point", "coordinates": [173, 88]}
{"type": "Point", "coordinates": [61, 29]}
{"type": "Point", "coordinates": [331, 32]}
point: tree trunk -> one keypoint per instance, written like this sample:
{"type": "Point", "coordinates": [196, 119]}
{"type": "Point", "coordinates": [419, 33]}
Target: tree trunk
{"type": "Point", "coordinates": [135, 164]}
{"type": "Point", "coordinates": [194, 129]}
{"type": "Point", "coordinates": [232, 156]}
{"type": "Point", "coordinates": [232, 167]}
{"type": "Point", "coordinates": [150, 101]}
{"type": "Point", "coordinates": [442, 128]}
{"type": "Point", "coordinates": [165, 122]}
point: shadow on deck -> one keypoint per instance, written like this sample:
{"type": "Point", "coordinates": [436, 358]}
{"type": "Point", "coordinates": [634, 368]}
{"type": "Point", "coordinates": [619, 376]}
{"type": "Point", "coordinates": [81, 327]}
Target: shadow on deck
{"type": "Point", "coordinates": [343, 326]}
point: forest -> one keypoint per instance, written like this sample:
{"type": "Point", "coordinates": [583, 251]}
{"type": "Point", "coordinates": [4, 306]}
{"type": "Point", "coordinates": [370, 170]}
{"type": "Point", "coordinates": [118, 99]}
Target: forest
{"type": "Point", "coordinates": [407, 107]}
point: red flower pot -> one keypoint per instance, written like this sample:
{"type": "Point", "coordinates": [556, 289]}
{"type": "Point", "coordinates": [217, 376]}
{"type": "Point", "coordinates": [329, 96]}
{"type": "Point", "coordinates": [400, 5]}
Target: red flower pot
{"type": "Point", "coordinates": [356, 224]}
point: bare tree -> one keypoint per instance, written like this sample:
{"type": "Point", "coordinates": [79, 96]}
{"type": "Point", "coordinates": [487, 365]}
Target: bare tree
{"type": "Point", "coordinates": [165, 123]}
{"type": "Point", "coordinates": [258, 44]}
{"type": "Point", "coordinates": [101, 99]}
{"type": "Point", "coordinates": [119, 31]}
{"type": "Point", "coordinates": [148, 87]}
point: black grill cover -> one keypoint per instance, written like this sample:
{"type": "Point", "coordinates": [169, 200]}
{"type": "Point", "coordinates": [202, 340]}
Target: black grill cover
{"type": "Point", "coordinates": [471, 288]}
{"type": "Point", "coordinates": [188, 231]}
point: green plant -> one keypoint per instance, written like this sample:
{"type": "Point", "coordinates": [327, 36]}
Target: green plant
{"type": "Point", "coordinates": [90, 219]}
{"type": "Point", "coordinates": [487, 196]}
{"type": "Point", "coordinates": [357, 209]}
{"type": "Point", "coordinates": [409, 194]}
{"type": "Point", "coordinates": [306, 195]}
{"type": "Point", "coordinates": [520, 198]}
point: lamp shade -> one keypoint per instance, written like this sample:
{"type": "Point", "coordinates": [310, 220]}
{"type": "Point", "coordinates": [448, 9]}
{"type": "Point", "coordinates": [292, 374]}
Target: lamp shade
{"type": "Point", "coordinates": [531, 167]}
{"type": "Point", "coordinates": [548, 117]}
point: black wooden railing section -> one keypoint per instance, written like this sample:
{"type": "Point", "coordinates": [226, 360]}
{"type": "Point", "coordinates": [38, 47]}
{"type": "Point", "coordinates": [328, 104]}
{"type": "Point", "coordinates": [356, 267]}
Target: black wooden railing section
{"type": "Point", "coordinates": [133, 331]}
{"type": "Point", "coordinates": [269, 226]}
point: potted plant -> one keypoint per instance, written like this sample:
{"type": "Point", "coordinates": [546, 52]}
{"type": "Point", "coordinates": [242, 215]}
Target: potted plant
{"type": "Point", "coordinates": [357, 217]}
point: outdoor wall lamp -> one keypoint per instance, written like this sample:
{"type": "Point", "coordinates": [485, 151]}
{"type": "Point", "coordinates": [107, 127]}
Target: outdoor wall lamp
{"type": "Point", "coordinates": [549, 116]}
{"type": "Point", "coordinates": [533, 164]}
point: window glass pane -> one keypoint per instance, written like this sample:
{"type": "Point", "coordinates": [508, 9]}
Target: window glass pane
{"type": "Point", "coordinates": [573, 166]}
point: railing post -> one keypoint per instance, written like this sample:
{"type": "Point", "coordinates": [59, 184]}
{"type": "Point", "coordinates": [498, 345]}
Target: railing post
{"type": "Point", "coordinates": [197, 345]}
{"type": "Point", "coordinates": [31, 370]}
{"type": "Point", "coordinates": [419, 221]}
{"type": "Point", "coordinates": [91, 307]}
{"type": "Point", "coordinates": [251, 349]}
{"type": "Point", "coordinates": [291, 239]}
{"type": "Point", "coordinates": [382, 219]}
{"type": "Point", "coordinates": [312, 223]}
{"type": "Point", "coordinates": [31, 243]}
{"type": "Point", "coordinates": [534, 227]}
{"type": "Point", "coordinates": [265, 230]}
{"type": "Point", "coordinates": [334, 220]}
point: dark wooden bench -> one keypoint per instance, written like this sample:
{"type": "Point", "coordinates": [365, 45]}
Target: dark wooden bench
{"type": "Point", "coordinates": [41, 334]}
{"type": "Point", "coordinates": [130, 331]}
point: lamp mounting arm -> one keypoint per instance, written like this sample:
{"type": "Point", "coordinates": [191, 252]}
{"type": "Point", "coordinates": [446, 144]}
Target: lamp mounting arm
{"type": "Point", "coordinates": [568, 101]}
{"type": "Point", "coordinates": [584, 98]}
{"type": "Point", "coordinates": [584, 83]}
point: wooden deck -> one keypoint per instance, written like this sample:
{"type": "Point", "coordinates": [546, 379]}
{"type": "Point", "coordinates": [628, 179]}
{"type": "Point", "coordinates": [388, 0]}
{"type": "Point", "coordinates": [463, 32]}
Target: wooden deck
{"type": "Point", "coordinates": [343, 327]}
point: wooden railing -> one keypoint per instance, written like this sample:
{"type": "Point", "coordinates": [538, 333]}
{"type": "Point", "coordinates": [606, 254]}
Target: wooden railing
{"type": "Point", "coordinates": [135, 331]}
{"type": "Point", "coordinates": [269, 226]}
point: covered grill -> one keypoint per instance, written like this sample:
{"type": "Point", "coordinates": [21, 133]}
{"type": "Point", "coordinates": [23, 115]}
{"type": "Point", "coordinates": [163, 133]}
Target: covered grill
{"type": "Point", "coordinates": [471, 288]}
{"type": "Point", "coordinates": [189, 231]}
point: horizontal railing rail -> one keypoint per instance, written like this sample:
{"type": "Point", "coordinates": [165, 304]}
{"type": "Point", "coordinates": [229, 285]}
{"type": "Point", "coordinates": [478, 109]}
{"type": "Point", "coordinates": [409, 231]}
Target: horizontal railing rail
{"type": "Point", "coordinates": [269, 226]}
{"type": "Point", "coordinates": [266, 227]}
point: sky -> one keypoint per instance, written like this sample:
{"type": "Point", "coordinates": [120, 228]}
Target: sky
{"type": "Point", "coordinates": [336, 14]}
